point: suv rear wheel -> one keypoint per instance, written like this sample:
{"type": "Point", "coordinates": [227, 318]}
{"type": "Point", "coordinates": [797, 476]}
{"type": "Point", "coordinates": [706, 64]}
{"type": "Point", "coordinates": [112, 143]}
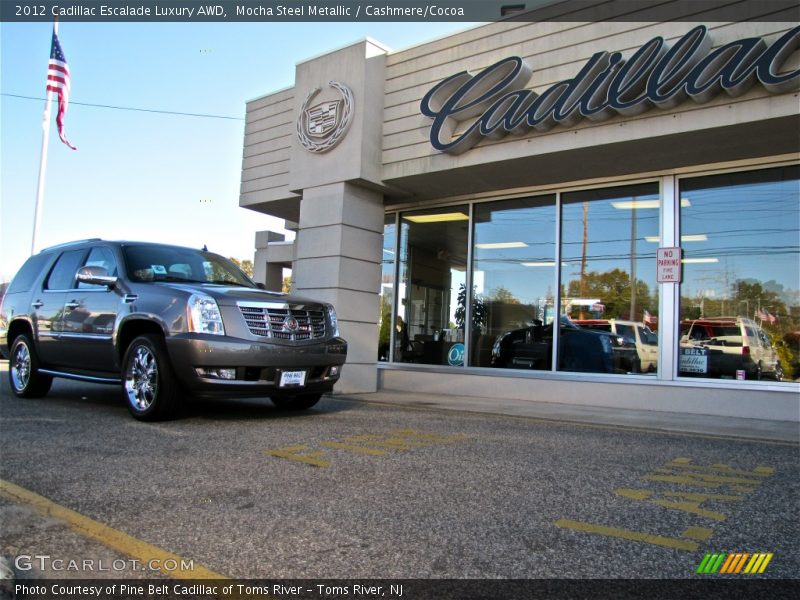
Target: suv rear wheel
{"type": "Point", "coordinates": [149, 385]}
{"type": "Point", "coordinates": [23, 370]}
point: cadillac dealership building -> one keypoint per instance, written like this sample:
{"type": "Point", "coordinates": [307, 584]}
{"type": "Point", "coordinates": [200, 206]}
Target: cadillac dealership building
{"type": "Point", "coordinates": [637, 183]}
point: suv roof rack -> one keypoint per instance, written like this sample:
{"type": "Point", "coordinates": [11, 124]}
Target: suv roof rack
{"type": "Point", "coordinates": [73, 243]}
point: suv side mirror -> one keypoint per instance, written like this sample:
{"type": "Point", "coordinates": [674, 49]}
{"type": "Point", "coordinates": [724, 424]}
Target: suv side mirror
{"type": "Point", "coordinates": [96, 276]}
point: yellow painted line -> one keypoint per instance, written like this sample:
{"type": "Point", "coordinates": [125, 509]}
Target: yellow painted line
{"type": "Point", "coordinates": [108, 536]}
{"type": "Point", "coordinates": [691, 507]}
{"type": "Point", "coordinates": [682, 479]}
{"type": "Point", "coordinates": [293, 453]}
{"type": "Point", "coordinates": [700, 534]}
{"type": "Point", "coordinates": [721, 469]}
{"type": "Point", "coordinates": [698, 497]}
{"type": "Point", "coordinates": [381, 441]}
{"type": "Point", "coordinates": [628, 534]}
{"type": "Point", "coordinates": [353, 448]}
{"type": "Point", "coordinates": [711, 477]}
{"type": "Point", "coordinates": [634, 494]}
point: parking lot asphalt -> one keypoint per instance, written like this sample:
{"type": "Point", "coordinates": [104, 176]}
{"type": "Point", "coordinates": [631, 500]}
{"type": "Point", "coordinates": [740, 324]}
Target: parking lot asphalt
{"type": "Point", "coordinates": [382, 489]}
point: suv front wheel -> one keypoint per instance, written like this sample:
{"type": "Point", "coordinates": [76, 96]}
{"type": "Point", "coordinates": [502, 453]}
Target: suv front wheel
{"type": "Point", "coordinates": [151, 392]}
{"type": "Point", "coordinates": [23, 370]}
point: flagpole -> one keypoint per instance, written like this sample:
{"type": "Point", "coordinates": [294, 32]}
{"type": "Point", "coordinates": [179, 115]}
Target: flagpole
{"type": "Point", "coordinates": [37, 214]}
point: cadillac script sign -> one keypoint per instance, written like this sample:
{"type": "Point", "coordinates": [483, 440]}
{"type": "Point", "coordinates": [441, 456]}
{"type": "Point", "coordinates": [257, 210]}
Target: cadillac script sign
{"type": "Point", "coordinates": [466, 108]}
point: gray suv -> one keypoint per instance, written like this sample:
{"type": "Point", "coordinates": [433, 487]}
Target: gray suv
{"type": "Point", "coordinates": [161, 321]}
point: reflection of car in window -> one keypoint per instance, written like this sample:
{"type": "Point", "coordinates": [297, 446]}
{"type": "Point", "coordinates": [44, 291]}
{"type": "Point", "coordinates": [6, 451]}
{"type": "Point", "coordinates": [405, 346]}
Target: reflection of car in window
{"type": "Point", "coordinates": [580, 350]}
{"type": "Point", "coordinates": [635, 335]}
{"type": "Point", "coordinates": [161, 321]}
{"type": "Point", "coordinates": [731, 345]}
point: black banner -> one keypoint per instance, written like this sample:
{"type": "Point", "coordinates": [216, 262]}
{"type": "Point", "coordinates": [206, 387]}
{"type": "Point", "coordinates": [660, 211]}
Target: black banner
{"type": "Point", "coordinates": [705, 588]}
{"type": "Point", "coordinates": [397, 10]}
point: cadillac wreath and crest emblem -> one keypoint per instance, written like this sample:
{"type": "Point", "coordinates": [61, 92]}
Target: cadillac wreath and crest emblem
{"type": "Point", "coordinates": [322, 126]}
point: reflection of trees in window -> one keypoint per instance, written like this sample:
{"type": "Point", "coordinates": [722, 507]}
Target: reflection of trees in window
{"type": "Point", "coordinates": [504, 295]}
{"type": "Point", "coordinates": [613, 288]}
{"type": "Point", "coordinates": [747, 225]}
{"type": "Point", "coordinates": [767, 303]}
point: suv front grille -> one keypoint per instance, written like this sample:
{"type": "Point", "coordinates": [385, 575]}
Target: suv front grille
{"type": "Point", "coordinates": [284, 323]}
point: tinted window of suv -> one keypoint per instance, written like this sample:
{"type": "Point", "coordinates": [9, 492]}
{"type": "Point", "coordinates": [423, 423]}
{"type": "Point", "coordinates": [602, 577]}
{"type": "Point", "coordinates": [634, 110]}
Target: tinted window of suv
{"type": "Point", "coordinates": [62, 276]}
{"type": "Point", "coordinates": [28, 274]}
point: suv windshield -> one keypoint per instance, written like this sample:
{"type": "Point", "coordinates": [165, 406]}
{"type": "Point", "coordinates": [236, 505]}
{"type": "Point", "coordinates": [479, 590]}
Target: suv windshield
{"type": "Point", "coordinates": [167, 263]}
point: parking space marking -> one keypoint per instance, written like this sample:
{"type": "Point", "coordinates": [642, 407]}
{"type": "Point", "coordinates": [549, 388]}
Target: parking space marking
{"type": "Point", "coordinates": [370, 444]}
{"type": "Point", "coordinates": [294, 453]}
{"type": "Point", "coordinates": [353, 448]}
{"type": "Point", "coordinates": [112, 538]}
{"type": "Point", "coordinates": [700, 534]}
{"type": "Point", "coordinates": [629, 534]}
{"type": "Point", "coordinates": [721, 478]}
{"type": "Point", "coordinates": [689, 506]}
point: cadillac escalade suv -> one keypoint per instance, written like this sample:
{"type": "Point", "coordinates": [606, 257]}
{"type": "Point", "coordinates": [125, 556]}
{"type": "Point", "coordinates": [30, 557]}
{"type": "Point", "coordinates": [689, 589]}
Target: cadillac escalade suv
{"type": "Point", "coordinates": [163, 322]}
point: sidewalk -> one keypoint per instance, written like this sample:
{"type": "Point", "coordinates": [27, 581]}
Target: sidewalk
{"type": "Point", "coordinates": [778, 431]}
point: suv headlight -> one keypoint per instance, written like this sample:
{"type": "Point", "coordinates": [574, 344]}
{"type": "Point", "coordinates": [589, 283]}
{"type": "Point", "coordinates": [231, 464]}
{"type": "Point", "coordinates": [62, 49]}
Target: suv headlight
{"type": "Point", "coordinates": [204, 315]}
{"type": "Point", "coordinates": [333, 320]}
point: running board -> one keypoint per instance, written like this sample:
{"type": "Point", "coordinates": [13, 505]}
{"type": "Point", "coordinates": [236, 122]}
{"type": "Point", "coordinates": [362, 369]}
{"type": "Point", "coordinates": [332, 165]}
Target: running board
{"type": "Point", "coordinates": [76, 377]}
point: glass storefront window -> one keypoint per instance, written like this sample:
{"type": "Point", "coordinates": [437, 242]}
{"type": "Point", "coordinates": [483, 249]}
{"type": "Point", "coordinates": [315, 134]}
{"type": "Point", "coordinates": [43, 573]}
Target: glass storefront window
{"type": "Point", "coordinates": [740, 298]}
{"type": "Point", "coordinates": [387, 288]}
{"type": "Point", "coordinates": [609, 294]}
{"type": "Point", "coordinates": [430, 324]}
{"type": "Point", "coordinates": [513, 278]}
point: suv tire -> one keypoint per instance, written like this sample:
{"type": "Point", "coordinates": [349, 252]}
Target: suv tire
{"type": "Point", "coordinates": [151, 391]}
{"type": "Point", "coordinates": [303, 402]}
{"type": "Point", "coordinates": [23, 370]}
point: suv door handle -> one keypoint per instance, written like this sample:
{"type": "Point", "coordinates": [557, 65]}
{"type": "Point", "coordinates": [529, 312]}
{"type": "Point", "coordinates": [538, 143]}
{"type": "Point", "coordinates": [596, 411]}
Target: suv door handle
{"type": "Point", "coordinates": [72, 305]}
{"type": "Point", "coordinates": [37, 305]}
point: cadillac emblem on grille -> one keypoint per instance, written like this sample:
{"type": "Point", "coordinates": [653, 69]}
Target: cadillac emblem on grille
{"type": "Point", "coordinates": [290, 324]}
{"type": "Point", "coordinates": [322, 126]}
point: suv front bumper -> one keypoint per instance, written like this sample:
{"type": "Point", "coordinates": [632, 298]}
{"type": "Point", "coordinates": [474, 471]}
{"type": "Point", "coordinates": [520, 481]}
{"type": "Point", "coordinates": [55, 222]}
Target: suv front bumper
{"type": "Point", "coordinates": [256, 366]}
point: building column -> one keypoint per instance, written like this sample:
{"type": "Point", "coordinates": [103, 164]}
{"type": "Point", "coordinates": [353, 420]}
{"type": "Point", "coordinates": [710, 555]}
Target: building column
{"type": "Point", "coordinates": [338, 260]}
{"type": "Point", "coordinates": [273, 254]}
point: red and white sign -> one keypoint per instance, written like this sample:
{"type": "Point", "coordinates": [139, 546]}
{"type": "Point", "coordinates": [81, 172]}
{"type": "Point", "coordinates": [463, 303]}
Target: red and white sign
{"type": "Point", "coordinates": [669, 265]}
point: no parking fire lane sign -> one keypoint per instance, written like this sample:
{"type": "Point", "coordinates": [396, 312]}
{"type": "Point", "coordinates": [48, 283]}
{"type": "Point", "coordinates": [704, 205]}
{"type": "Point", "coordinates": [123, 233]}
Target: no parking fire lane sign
{"type": "Point", "coordinates": [669, 265]}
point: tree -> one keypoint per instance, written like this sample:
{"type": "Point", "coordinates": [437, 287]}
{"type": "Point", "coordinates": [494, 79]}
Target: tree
{"type": "Point", "coordinates": [245, 265]}
{"type": "Point", "coordinates": [749, 296]}
{"type": "Point", "coordinates": [504, 295]}
{"type": "Point", "coordinates": [613, 288]}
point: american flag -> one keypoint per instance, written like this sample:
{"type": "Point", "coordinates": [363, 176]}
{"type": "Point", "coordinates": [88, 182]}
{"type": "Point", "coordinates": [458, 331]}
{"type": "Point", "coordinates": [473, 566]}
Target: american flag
{"type": "Point", "coordinates": [58, 82]}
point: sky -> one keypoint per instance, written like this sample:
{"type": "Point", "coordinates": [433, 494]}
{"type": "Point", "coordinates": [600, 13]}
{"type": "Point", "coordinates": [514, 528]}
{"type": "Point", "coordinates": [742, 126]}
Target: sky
{"type": "Point", "coordinates": [146, 175]}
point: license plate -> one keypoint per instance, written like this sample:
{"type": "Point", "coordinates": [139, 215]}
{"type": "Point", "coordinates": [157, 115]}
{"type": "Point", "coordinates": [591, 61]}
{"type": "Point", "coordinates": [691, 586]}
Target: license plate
{"type": "Point", "coordinates": [291, 378]}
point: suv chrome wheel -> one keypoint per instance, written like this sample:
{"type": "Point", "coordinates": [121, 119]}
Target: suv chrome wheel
{"type": "Point", "coordinates": [141, 378]}
{"type": "Point", "coordinates": [23, 370]}
{"type": "Point", "coordinates": [21, 367]}
{"type": "Point", "coordinates": [148, 381]}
